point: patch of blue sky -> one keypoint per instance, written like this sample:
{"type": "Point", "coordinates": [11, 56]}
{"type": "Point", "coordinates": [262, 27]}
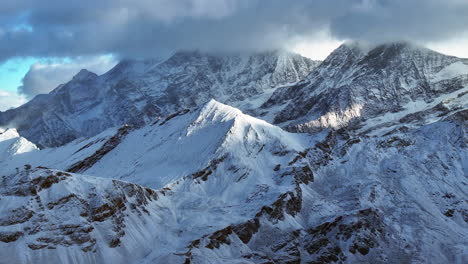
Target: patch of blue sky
{"type": "Point", "coordinates": [13, 71]}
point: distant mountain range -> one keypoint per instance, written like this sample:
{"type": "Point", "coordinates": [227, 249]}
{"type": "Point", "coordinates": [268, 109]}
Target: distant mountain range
{"type": "Point", "coordinates": [137, 92]}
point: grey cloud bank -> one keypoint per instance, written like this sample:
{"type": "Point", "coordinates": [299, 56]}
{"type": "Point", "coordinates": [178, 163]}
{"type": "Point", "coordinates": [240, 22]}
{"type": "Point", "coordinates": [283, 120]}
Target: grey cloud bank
{"type": "Point", "coordinates": [144, 28]}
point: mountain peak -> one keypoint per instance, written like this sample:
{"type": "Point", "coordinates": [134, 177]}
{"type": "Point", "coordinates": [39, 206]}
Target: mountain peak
{"type": "Point", "coordinates": [345, 55]}
{"type": "Point", "coordinates": [380, 55]}
{"type": "Point", "coordinates": [213, 112]}
{"type": "Point", "coordinates": [376, 49]}
{"type": "Point", "coordinates": [371, 79]}
{"type": "Point", "coordinates": [84, 75]}
{"type": "Point", "coordinates": [213, 107]}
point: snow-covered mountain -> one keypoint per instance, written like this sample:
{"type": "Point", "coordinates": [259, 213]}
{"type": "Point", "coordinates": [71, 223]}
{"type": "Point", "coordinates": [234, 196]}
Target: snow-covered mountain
{"type": "Point", "coordinates": [209, 168]}
{"type": "Point", "coordinates": [227, 187]}
{"type": "Point", "coordinates": [211, 184]}
{"type": "Point", "coordinates": [395, 196]}
{"type": "Point", "coordinates": [135, 92]}
{"type": "Point", "coordinates": [356, 82]}
{"type": "Point", "coordinates": [168, 149]}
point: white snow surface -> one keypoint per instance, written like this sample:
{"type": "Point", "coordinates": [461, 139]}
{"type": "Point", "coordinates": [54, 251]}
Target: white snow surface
{"type": "Point", "coordinates": [158, 154]}
{"type": "Point", "coordinates": [12, 144]}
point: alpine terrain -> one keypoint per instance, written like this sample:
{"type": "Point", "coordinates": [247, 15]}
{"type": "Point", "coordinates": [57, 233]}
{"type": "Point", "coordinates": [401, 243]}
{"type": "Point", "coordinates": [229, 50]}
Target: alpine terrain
{"type": "Point", "coordinates": [264, 158]}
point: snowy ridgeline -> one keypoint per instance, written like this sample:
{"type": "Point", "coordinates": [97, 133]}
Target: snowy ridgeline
{"type": "Point", "coordinates": [380, 178]}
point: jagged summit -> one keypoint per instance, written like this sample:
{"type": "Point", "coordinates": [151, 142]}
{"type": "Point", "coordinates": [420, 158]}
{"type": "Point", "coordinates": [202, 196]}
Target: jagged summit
{"type": "Point", "coordinates": [214, 110]}
{"type": "Point", "coordinates": [131, 67]}
{"type": "Point", "coordinates": [84, 75]}
{"type": "Point", "coordinates": [365, 48]}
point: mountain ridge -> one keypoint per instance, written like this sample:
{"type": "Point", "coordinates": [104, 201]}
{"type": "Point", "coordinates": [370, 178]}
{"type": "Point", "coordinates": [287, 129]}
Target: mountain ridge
{"type": "Point", "coordinates": [135, 92]}
{"type": "Point", "coordinates": [351, 83]}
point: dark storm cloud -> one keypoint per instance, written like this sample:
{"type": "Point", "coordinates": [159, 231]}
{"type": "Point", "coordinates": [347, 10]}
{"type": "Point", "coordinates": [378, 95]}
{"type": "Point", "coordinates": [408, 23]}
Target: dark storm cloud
{"type": "Point", "coordinates": [412, 20]}
{"type": "Point", "coordinates": [138, 28]}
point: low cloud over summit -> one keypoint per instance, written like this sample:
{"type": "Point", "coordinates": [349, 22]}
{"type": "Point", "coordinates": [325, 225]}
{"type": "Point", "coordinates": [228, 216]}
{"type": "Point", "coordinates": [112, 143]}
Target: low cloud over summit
{"type": "Point", "coordinates": [150, 28]}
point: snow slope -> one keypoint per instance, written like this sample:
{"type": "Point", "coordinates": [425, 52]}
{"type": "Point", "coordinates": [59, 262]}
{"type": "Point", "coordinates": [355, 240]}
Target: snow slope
{"type": "Point", "coordinates": [235, 189]}
{"type": "Point", "coordinates": [169, 148]}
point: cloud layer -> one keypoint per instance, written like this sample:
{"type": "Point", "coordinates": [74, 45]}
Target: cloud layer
{"type": "Point", "coordinates": [142, 28]}
{"type": "Point", "coordinates": [9, 100]}
{"type": "Point", "coordinates": [44, 77]}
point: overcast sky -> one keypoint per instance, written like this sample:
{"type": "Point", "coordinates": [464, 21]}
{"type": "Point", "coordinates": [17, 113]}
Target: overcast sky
{"type": "Point", "coordinates": [45, 42]}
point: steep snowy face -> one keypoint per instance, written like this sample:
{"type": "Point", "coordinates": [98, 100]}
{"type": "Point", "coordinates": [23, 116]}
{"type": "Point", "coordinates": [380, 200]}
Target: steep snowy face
{"type": "Point", "coordinates": [353, 84]}
{"type": "Point", "coordinates": [12, 144]}
{"type": "Point", "coordinates": [137, 91]}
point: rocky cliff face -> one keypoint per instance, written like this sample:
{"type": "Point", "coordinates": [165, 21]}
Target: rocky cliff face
{"type": "Point", "coordinates": [353, 84]}
{"type": "Point", "coordinates": [135, 92]}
